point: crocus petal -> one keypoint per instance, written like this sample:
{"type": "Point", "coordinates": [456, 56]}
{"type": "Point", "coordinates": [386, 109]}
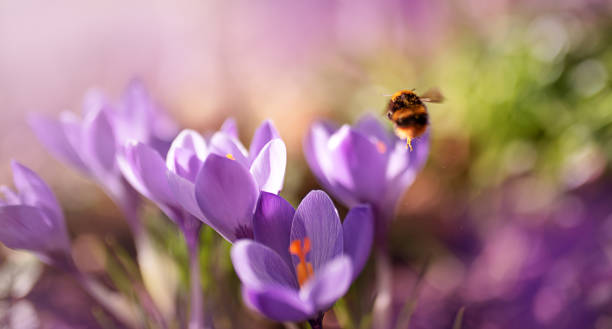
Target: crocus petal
{"type": "Point", "coordinates": [144, 168]}
{"type": "Point", "coordinates": [99, 142]}
{"type": "Point", "coordinates": [269, 166]}
{"type": "Point", "coordinates": [402, 170]}
{"type": "Point", "coordinates": [10, 197]}
{"type": "Point", "coordinates": [186, 154]}
{"type": "Point", "coordinates": [93, 100]}
{"type": "Point", "coordinates": [135, 112]}
{"type": "Point", "coordinates": [359, 165]}
{"type": "Point", "coordinates": [264, 134]}
{"type": "Point", "coordinates": [227, 195]}
{"type": "Point", "coordinates": [183, 191]}
{"type": "Point", "coordinates": [272, 224]}
{"type": "Point", "coordinates": [358, 229]}
{"type": "Point", "coordinates": [320, 161]}
{"type": "Point", "coordinates": [329, 283]}
{"type": "Point", "coordinates": [52, 135]}
{"type": "Point", "coordinates": [73, 128]}
{"type": "Point", "coordinates": [279, 303]}
{"type": "Point", "coordinates": [420, 153]}
{"type": "Point", "coordinates": [229, 127]}
{"type": "Point", "coordinates": [224, 145]}
{"type": "Point", "coordinates": [369, 126]}
{"type": "Point", "coordinates": [35, 192]}
{"type": "Point", "coordinates": [136, 100]}
{"type": "Point", "coordinates": [316, 152]}
{"type": "Point", "coordinates": [401, 160]}
{"type": "Point", "coordinates": [191, 140]}
{"type": "Point", "coordinates": [317, 218]}
{"type": "Point", "coordinates": [186, 164]}
{"type": "Point", "coordinates": [27, 227]}
{"type": "Point", "coordinates": [259, 267]}
{"type": "Point", "coordinates": [141, 119]}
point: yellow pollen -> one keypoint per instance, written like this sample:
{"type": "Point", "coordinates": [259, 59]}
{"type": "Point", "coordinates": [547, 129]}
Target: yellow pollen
{"type": "Point", "coordinates": [381, 147]}
{"type": "Point", "coordinates": [409, 143]}
{"type": "Point", "coordinates": [303, 269]}
{"type": "Point", "coordinates": [230, 156]}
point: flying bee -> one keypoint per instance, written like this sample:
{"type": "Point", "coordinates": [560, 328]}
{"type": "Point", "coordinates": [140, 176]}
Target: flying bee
{"type": "Point", "coordinates": [409, 113]}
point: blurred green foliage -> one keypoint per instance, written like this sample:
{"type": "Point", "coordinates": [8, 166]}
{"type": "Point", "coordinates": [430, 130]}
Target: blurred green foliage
{"type": "Point", "coordinates": [530, 96]}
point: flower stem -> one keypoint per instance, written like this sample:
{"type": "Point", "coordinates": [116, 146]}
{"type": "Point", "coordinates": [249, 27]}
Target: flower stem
{"type": "Point", "coordinates": [114, 303]}
{"type": "Point", "coordinates": [317, 323]}
{"type": "Point", "coordinates": [384, 288]}
{"type": "Point", "coordinates": [196, 318]}
{"type": "Point", "coordinates": [130, 207]}
{"type": "Point", "coordinates": [131, 210]}
{"type": "Point", "coordinates": [343, 315]}
{"type": "Point", "coordinates": [144, 297]}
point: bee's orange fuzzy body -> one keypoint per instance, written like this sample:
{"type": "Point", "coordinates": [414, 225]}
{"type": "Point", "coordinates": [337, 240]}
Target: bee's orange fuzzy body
{"type": "Point", "coordinates": [409, 114]}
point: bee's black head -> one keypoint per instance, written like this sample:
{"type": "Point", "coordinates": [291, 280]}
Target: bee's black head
{"type": "Point", "coordinates": [409, 98]}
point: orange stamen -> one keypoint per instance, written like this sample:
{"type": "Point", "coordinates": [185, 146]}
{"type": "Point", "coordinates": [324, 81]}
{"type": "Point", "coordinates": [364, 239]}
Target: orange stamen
{"type": "Point", "coordinates": [230, 156]}
{"type": "Point", "coordinates": [303, 269]}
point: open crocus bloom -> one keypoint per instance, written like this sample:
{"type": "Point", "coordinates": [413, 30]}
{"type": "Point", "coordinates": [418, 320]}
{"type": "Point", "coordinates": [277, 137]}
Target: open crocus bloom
{"type": "Point", "coordinates": [216, 180]}
{"type": "Point", "coordinates": [31, 218]}
{"type": "Point", "coordinates": [301, 261]}
{"type": "Point", "coordinates": [364, 163]}
{"type": "Point", "coordinates": [90, 145]}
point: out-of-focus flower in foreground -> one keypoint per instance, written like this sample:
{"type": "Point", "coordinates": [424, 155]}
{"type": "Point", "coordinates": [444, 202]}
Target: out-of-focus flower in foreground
{"type": "Point", "coordinates": [31, 218]}
{"type": "Point", "coordinates": [301, 261]}
{"type": "Point", "coordinates": [364, 163]}
{"type": "Point", "coordinates": [91, 145]}
{"type": "Point", "coordinates": [550, 270]}
{"type": "Point", "coordinates": [216, 179]}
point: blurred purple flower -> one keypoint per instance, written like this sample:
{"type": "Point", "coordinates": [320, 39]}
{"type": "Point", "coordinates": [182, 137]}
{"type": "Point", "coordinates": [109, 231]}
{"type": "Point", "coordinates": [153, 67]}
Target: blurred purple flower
{"type": "Point", "coordinates": [550, 271]}
{"type": "Point", "coordinates": [301, 261]}
{"type": "Point", "coordinates": [216, 179]}
{"type": "Point", "coordinates": [31, 218]}
{"type": "Point", "coordinates": [91, 145]}
{"type": "Point", "coordinates": [364, 163]}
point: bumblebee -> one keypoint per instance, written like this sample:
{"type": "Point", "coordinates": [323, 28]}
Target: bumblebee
{"type": "Point", "coordinates": [409, 113]}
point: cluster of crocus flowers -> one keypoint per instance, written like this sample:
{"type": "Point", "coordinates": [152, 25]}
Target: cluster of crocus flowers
{"type": "Point", "coordinates": [301, 261]}
{"type": "Point", "coordinates": [215, 180]}
{"type": "Point", "coordinates": [294, 263]}
{"type": "Point", "coordinates": [91, 144]}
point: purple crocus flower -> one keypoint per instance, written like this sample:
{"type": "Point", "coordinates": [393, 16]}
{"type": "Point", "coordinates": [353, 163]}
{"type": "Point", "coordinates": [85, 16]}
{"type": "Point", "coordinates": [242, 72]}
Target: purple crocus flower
{"type": "Point", "coordinates": [31, 218]}
{"type": "Point", "coordinates": [215, 180]}
{"type": "Point", "coordinates": [364, 163]}
{"type": "Point", "coordinates": [301, 261]}
{"type": "Point", "coordinates": [90, 145]}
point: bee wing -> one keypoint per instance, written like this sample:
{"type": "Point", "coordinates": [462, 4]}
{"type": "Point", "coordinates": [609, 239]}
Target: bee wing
{"type": "Point", "coordinates": [433, 95]}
